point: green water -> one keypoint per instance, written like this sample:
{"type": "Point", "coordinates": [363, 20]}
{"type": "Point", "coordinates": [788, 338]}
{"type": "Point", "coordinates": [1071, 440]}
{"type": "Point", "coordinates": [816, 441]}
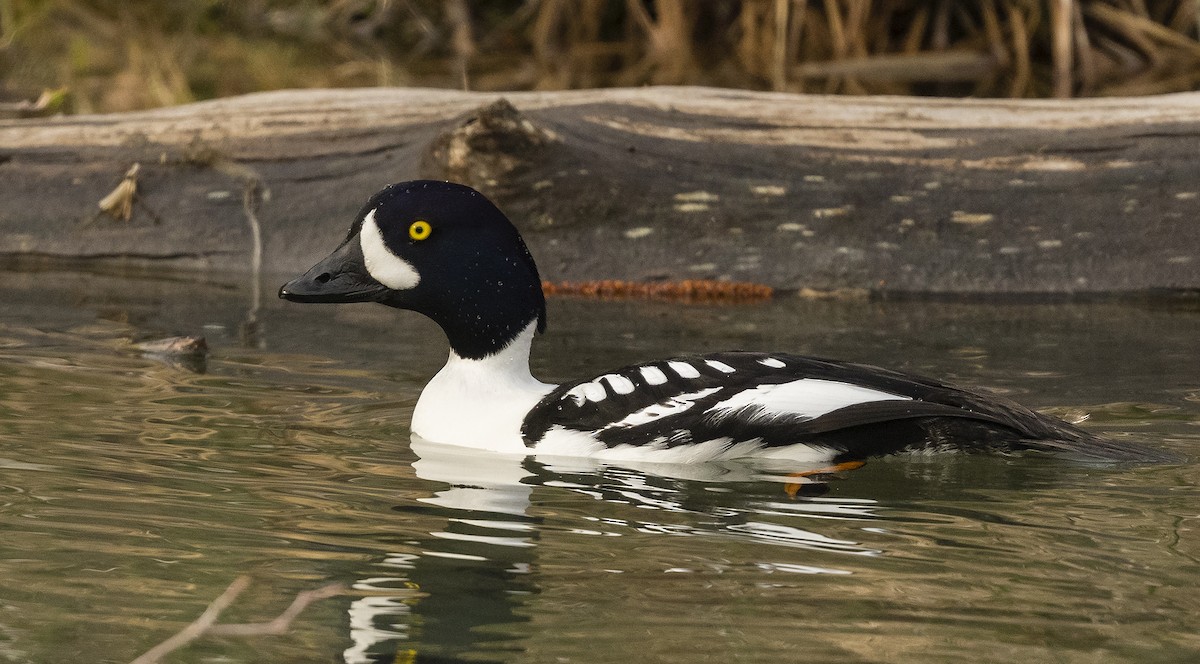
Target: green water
{"type": "Point", "coordinates": [133, 491]}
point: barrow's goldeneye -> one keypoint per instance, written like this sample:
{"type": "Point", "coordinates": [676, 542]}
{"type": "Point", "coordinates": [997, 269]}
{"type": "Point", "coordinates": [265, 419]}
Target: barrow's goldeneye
{"type": "Point", "coordinates": [445, 251]}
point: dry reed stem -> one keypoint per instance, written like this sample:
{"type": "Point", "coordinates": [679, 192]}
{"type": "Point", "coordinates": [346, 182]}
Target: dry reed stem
{"type": "Point", "coordinates": [1083, 51]}
{"type": "Point", "coordinates": [1038, 47]}
{"type": "Point", "coordinates": [995, 37]}
{"type": "Point", "coordinates": [916, 31]}
{"type": "Point", "coordinates": [462, 38]}
{"type": "Point", "coordinates": [781, 47]}
{"type": "Point", "coordinates": [1144, 26]}
{"type": "Point", "coordinates": [1020, 47]}
{"type": "Point", "coordinates": [1061, 46]}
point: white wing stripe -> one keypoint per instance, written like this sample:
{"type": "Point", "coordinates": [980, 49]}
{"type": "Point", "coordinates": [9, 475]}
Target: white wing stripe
{"type": "Point", "coordinates": [807, 398]}
{"type": "Point", "coordinates": [672, 406]}
{"type": "Point", "coordinates": [772, 362]}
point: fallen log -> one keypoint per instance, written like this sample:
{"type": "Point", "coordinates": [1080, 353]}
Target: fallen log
{"type": "Point", "coordinates": [792, 191]}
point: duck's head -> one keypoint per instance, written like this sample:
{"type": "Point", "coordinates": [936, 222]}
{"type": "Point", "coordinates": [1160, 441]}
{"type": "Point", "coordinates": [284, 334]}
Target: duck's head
{"type": "Point", "coordinates": [440, 249]}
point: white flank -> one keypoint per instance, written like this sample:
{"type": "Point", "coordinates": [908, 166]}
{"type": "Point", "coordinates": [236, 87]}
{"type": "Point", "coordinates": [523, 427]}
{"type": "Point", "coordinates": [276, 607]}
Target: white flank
{"type": "Point", "coordinates": [799, 453]}
{"type": "Point", "coordinates": [481, 403]}
{"type": "Point", "coordinates": [719, 366]}
{"type": "Point", "coordinates": [772, 362]}
{"type": "Point", "coordinates": [672, 406]}
{"type": "Point", "coordinates": [718, 449]}
{"type": "Point", "coordinates": [807, 398]}
{"type": "Point", "coordinates": [683, 369]}
{"type": "Point", "coordinates": [384, 266]}
{"type": "Point", "coordinates": [565, 442]}
{"type": "Point", "coordinates": [560, 443]}
{"type": "Point", "coordinates": [653, 375]}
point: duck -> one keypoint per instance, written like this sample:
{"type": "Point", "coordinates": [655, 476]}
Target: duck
{"type": "Point", "coordinates": [445, 251]}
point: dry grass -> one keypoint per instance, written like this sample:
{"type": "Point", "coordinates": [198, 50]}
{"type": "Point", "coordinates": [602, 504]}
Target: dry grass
{"type": "Point", "coordinates": [116, 55]}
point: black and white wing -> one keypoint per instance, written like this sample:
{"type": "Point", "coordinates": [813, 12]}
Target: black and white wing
{"type": "Point", "coordinates": [772, 401]}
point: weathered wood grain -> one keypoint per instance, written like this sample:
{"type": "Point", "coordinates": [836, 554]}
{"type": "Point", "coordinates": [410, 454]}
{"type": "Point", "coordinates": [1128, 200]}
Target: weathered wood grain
{"type": "Point", "coordinates": [889, 194]}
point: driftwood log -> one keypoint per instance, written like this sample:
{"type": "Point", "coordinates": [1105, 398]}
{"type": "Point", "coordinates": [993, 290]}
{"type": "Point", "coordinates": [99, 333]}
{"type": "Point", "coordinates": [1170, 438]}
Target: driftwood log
{"type": "Point", "coordinates": [872, 194]}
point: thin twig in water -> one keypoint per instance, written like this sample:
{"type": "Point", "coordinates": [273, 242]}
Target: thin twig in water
{"type": "Point", "coordinates": [199, 626]}
{"type": "Point", "coordinates": [206, 623]}
{"type": "Point", "coordinates": [254, 194]}
{"type": "Point", "coordinates": [284, 620]}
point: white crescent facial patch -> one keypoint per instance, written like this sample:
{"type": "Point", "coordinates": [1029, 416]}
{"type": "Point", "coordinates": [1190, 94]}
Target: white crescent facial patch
{"type": "Point", "coordinates": [384, 266]}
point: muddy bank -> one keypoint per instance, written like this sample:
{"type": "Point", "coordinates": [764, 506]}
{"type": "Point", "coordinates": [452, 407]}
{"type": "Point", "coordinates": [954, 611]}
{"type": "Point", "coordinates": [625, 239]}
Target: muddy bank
{"type": "Point", "coordinates": [792, 191]}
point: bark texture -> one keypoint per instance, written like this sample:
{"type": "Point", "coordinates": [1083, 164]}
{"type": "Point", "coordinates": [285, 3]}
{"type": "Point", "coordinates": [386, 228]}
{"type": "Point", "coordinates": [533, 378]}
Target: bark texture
{"type": "Point", "coordinates": [792, 191]}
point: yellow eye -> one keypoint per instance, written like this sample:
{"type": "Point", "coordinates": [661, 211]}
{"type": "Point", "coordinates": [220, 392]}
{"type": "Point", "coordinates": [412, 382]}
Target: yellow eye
{"type": "Point", "coordinates": [419, 230]}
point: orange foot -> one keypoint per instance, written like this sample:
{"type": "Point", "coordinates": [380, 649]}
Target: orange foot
{"type": "Point", "coordinates": [793, 488]}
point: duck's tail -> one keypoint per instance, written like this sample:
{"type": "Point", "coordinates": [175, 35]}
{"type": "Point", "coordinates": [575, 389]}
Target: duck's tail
{"type": "Point", "coordinates": [1084, 446]}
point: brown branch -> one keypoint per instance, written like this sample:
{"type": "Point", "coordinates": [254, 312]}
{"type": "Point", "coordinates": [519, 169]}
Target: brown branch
{"type": "Point", "coordinates": [1020, 46]}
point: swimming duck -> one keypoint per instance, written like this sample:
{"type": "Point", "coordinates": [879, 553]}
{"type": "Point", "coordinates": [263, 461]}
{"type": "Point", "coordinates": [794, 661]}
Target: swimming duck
{"type": "Point", "coordinates": [444, 250]}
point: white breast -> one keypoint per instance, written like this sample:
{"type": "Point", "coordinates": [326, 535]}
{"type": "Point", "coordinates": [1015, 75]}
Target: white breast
{"type": "Point", "coordinates": [481, 403]}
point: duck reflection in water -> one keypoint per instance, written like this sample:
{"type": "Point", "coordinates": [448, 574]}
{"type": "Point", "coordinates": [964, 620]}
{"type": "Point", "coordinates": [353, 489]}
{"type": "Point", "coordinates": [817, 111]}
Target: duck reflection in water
{"type": "Point", "coordinates": [467, 590]}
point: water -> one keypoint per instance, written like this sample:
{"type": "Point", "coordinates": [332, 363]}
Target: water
{"type": "Point", "coordinates": [133, 491]}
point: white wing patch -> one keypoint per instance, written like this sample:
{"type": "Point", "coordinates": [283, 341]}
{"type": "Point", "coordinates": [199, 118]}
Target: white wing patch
{"type": "Point", "coordinates": [772, 362]}
{"type": "Point", "coordinates": [619, 384]}
{"type": "Point", "coordinates": [384, 266]}
{"type": "Point", "coordinates": [683, 369]}
{"type": "Point", "coordinates": [653, 375]}
{"type": "Point", "coordinates": [593, 390]}
{"type": "Point", "coordinates": [589, 391]}
{"type": "Point", "coordinates": [807, 398]}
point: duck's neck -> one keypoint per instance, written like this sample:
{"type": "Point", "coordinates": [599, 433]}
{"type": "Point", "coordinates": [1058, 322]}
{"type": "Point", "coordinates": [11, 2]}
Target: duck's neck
{"type": "Point", "coordinates": [488, 303]}
{"type": "Point", "coordinates": [481, 402]}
